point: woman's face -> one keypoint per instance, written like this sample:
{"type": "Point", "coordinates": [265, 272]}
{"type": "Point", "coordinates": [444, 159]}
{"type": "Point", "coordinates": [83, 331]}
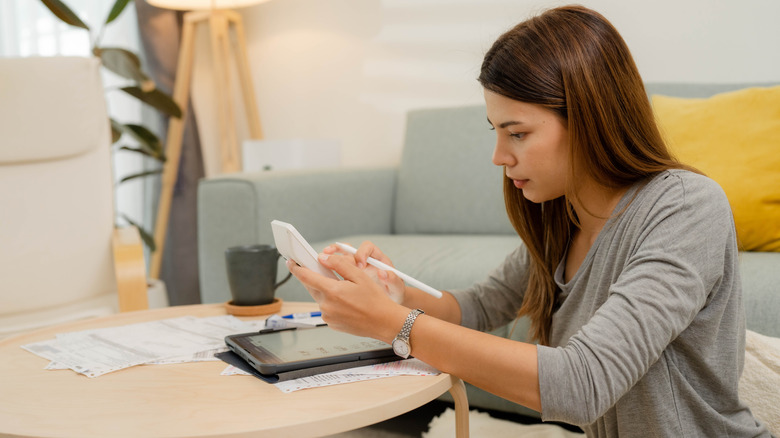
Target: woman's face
{"type": "Point", "coordinates": [532, 144]}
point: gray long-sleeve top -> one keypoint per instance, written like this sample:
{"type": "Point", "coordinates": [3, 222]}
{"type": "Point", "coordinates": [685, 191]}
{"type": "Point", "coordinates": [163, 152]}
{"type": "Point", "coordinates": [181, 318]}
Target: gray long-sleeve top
{"type": "Point", "coordinates": [649, 338]}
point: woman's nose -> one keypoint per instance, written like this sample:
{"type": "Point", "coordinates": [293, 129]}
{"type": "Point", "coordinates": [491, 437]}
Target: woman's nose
{"type": "Point", "coordinates": [501, 156]}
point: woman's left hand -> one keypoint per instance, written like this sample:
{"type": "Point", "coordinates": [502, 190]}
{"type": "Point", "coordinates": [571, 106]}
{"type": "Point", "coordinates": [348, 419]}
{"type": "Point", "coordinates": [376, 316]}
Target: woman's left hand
{"type": "Point", "coordinates": [393, 286]}
{"type": "Point", "coordinates": [357, 304]}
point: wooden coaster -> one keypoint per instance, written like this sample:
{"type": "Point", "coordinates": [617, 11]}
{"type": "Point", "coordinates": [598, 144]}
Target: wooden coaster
{"type": "Point", "coordinates": [263, 309]}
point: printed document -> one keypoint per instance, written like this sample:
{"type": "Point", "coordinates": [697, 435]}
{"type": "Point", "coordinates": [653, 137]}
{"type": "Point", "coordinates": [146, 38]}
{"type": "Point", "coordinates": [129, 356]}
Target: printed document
{"type": "Point", "coordinates": [408, 367]}
{"type": "Point", "coordinates": [100, 351]}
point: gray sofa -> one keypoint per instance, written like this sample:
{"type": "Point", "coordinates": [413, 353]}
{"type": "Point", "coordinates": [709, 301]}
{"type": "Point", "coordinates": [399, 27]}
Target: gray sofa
{"type": "Point", "coordinates": [439, 216]}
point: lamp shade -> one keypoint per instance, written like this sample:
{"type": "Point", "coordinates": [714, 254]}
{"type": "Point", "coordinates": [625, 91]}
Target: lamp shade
{"type": "Point", "coordinates": [191, 5]}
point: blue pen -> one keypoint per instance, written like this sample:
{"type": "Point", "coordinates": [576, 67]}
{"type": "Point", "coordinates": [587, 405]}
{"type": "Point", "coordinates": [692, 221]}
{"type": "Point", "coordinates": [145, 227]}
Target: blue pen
{"type": "Point", "coordinates": [302, 315]}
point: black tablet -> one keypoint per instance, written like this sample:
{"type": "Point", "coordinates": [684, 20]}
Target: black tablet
{"type": "Point", "coordinates": [276, 351]}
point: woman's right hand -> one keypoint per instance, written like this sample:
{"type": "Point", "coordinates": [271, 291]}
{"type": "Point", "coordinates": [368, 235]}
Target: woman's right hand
{"type": "Point", "coordinates": [391, 283]}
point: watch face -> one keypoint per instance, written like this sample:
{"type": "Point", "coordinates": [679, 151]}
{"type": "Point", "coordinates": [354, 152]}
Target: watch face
{"type": "Point", "coordinates": [401, 348]}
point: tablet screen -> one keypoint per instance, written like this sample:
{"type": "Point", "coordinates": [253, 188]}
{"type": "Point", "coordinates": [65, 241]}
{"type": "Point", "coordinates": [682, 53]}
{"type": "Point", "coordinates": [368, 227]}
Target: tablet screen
{"type": "Point", "coordinates": [307, 344]}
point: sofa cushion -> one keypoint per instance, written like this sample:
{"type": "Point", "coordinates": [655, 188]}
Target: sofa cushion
{"type": "Point", "coordinates": [441, 261]}
{"type": "Point", "coordinates": [447, 183]}
{"type": "Point", "coordinates": [761, 291]}
{"type": "Point", "coordinates": [733, 137]}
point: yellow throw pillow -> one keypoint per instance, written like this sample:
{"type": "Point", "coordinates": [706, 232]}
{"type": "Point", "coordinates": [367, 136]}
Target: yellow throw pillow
{"type": "Point", "coordinates": [734, 138]}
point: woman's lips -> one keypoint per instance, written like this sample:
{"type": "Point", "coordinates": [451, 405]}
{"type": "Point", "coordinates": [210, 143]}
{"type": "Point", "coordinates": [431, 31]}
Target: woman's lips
{"type": "Point", "coordinates": [520, 183]}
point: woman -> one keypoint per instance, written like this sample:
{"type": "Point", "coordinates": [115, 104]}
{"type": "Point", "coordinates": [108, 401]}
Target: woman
{"type": "Point", "coordinates": [629, 271]}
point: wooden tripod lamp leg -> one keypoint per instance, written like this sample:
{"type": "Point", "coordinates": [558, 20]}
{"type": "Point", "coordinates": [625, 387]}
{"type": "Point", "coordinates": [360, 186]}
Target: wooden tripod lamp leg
{"type": "Point", "coordinates": [248, 90]}
{"type": "Point", "coordinates": [181, 95]}
{"type": "Point", "coordinates": [219, 23]}
{"type": "Point", "coordinates": [228, 142]}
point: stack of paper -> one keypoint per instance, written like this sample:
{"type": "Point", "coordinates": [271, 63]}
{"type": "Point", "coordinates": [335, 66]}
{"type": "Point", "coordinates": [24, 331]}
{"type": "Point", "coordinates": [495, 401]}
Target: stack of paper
{"type": "Point", "coordinates": [188, 339]}
{"type": "Point", "coordinates": [100, 351]}
{"type": "Point", "coordinates": [408, 367]}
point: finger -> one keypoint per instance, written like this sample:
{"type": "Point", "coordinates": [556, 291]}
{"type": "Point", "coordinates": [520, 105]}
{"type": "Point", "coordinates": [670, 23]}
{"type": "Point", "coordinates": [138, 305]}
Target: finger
{"type": "Point", "coordinates": [292, 266]}
{"type": "Point", "coordinates": [333, 249]}
{"type": "Point", "coordinates": [330, 249]}
{"type": "Point", "coordinates": [362, 254]}
{"type": "Point", "coordinates": [345, 266]}
{"type": "Point", "coordinates": [390, 277]}
{"type": "Point", "coordinates": [311, 279]}
{"type": "Point", "coordinates": [368, 249]}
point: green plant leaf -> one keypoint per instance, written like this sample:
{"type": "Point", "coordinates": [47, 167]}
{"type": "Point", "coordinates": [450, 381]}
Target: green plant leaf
{"type": "Point", "coordinates": [147, 138]}
{"type": "Point", "coordinates": [116, 130]}
{"type": "Point", "coordinates": [156, 99]}
{"type": "Point", "coordinates": [122, 62]}
{"type": "Point", "coordinates": [141, 150]}
{"type": "Point", "coordinates": [119, 6]}
{"type": "Point", "coordinates": [140, 175]}
{"type": "Point", "coordinates": [149, 143]}
{"type": "Point", "coordinates": [64, 13]}
{"type": "Point", "coordinates": [144, 150]}
{"type": "Point", "coordinates": [146, 237]}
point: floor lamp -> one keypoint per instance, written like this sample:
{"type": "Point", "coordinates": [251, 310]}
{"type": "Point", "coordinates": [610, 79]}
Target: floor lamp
{"type": "Point", "coordinates": [220, 18]}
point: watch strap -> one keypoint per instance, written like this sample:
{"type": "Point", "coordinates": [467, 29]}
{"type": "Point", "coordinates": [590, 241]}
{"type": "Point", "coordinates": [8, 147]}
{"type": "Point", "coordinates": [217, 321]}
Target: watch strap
{"type": "Point", "coordinates": [406, 330]}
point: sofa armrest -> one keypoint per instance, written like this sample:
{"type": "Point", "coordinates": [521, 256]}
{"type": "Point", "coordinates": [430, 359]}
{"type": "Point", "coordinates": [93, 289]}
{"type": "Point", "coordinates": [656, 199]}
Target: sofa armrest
{"type": "Point", "coordinates": [237, 209]}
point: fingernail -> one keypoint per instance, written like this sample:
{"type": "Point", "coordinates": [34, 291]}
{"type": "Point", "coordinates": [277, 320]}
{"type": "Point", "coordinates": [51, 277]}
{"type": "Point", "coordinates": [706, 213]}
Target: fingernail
{"type": "Point", "coordinates": [324, 256]}
{"type": "Point", "coordinates": [361, 265]}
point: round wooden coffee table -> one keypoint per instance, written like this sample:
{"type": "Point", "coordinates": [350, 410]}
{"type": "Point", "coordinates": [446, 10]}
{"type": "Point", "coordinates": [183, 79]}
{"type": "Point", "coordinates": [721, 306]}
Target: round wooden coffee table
{"type": "Point", "coordinates": [193, 399]}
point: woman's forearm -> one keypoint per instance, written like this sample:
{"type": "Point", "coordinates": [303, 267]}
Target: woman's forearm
{"type": "Point", "coordinates": [445, 308]}
{"type": "Point", "coordinates": [500, 366]}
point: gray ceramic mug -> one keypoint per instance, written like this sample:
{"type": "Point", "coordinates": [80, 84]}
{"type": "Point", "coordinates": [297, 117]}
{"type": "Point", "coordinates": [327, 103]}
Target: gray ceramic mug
{"type": "Point", "coordinates": [251, 272]}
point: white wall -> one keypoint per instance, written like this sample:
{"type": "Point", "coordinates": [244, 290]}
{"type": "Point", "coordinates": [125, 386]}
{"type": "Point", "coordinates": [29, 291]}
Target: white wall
{"type": "Point", "coordinates": [350, 69]}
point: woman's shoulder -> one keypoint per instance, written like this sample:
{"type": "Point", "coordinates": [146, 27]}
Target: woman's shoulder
{"type": "Point", "coordinates": [688, 186]}
{"type": "Point", "coordinates": [683, 190]}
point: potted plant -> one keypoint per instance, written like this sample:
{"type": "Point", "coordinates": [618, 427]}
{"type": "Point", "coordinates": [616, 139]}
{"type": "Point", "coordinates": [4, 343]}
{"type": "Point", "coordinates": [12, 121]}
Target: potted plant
{"type": "Point", "coordinates": [127, 65]}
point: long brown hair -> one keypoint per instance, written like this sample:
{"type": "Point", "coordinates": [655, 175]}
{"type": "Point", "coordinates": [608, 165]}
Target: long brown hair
{"type": "Point", "coordinates": [572, 61]}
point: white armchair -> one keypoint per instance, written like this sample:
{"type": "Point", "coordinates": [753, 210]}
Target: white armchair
{"type": "Point", "coordinates": [58, 244]}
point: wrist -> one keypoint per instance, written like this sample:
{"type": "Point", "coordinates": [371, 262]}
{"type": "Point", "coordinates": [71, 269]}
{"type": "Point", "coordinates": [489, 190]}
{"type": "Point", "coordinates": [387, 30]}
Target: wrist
{"type": "Point", "coordinates": [402, 342]}
{"type": "Point", "coordinates": [394, 322]}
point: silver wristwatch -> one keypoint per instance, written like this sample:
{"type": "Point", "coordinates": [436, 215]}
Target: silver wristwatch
{"type": "Point", "coordinates": [401, 345]}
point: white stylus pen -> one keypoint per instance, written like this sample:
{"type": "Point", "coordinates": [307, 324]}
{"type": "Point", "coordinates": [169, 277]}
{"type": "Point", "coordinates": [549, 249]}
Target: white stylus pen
{"type": "Point", "coordinates": [409, 280]}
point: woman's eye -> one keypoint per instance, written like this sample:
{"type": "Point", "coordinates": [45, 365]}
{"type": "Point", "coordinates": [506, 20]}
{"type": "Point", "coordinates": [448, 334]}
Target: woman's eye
{"type": "Point", "coordinates": [518, 135]}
